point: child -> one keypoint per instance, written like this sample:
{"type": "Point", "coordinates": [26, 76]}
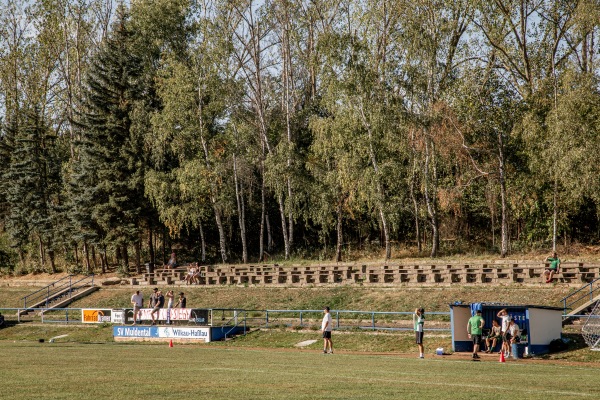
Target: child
{"type": "Point", "coordinates": [418, 322]}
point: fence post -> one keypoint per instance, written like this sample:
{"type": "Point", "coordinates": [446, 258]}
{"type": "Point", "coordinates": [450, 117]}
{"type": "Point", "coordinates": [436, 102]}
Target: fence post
{"type": "Point", "coordinates": [267, 319]}
{"type": "Point", "coordinates": [337, 320]}
{"type": "Point", "coordinates": [301, 319]}
{"type": "Point", "coordinates": [373, 320]}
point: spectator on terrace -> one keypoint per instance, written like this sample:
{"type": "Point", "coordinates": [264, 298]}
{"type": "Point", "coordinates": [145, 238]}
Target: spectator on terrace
{"type": "Point", "coordinates": [552, 268]}
{"type": "Point", "coordinates": [196, 277]}
{"type": "Point", "coordinates": [172, 261]}
{"type": "Point", "coordinates": [189, 277]}
{"type": "Point", "coordinates": [181, 302]}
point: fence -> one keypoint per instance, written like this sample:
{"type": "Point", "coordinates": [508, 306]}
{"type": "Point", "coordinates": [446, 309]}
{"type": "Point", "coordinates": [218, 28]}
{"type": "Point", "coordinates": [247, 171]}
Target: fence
{"type": "Point", "coordinates": [301, 319]}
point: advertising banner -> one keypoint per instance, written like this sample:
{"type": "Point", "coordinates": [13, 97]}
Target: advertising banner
{"type": "Point", "coordinates": [176, 314]}
{"type": "Point", "coordinates": [192, 315]}
{"type": "Point", "coordinates": [95, 316]}
{"type": "Point", "coordinates": [119, 317]}
{"type": "Point", "coordinates": [200, 334]}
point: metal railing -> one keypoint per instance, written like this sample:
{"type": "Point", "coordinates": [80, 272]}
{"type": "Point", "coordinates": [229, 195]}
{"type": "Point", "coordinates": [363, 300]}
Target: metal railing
{"type": "Point", "coordinates": [582, 295]}
{"type": "Point", "coordinates": [64, 285]}
{"type": "Point", "coordinates": [350, 319]}
{"type": "Point", "coordinates": [344, 319]}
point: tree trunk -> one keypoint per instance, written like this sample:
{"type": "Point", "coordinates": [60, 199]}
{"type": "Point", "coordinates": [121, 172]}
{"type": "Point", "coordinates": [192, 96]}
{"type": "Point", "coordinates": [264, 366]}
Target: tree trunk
{"type": "Point", "coordinates": [380, 193]}
{"type": "Point", "coordinates": [430, 198]}
{"type": "Point", "coordinates": [269, 234]}
{"type": "Point", "coordinates": [125, 258]}
{"type": "Point", "coordinates": [503, 198]}
{"type": "Point", "coordinates": [202, 243]}
{"type": "Point", "coordinates": [413, 197]}
{"type": "Point", "coordinates": [286, 240]}
{"type": "Point", "coordinates": [104, 260]}
{"type": "Point", "coordinates": [118, 255]}
{"type": "Point", "coordinates": [138, 257]}
{"type": "Point", "coordinates": [51, 258]}
{"type": "Point", "coordinates": [239, 197]}
{"type": "Point", "coordinates": [87, 257]}
{"type": "Point", "coordinates": [151, 245]}
{"type": "Point", "coordinates": [94, 261]}
{"type": "Point", "coordinates": [41, 249]}
{"type": "Point", "coordinates": [263, 216]}
{"type": "Point", "coordinates": [386, 234]}
{"type": "Point", "coordinates": [222, 240]}
{"type": "Point", "coordinates": [76, 256]}
{"type": "Point", "coordinates": [340, 237]}
{"type": "Point", "coordinates": [164, 245]}
{"type": "Point", "coordinates": [554, 216]}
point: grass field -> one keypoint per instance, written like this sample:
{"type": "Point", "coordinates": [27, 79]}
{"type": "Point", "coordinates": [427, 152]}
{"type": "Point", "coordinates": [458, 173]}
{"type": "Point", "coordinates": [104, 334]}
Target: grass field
{"type": "Point", "coordinates": [129, 371]}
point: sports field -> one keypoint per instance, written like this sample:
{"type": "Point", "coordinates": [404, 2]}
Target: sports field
{"type": "Point", "coordinates": [132, 371]}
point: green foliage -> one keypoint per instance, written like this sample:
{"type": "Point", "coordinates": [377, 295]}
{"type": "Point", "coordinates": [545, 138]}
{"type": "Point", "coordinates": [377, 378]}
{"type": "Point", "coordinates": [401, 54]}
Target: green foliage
{"type": "Point", "coordinates": [365, 124]}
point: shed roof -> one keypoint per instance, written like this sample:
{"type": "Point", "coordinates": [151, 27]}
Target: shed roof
{"type": "Point", "coordinates": [506, 305]}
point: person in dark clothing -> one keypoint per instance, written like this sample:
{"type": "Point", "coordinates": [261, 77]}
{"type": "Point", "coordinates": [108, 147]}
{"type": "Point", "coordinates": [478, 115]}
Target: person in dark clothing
{"type": "Point", "coordinates": [181, 302]}
{"type": "Point", "coordinates": [160, 302]}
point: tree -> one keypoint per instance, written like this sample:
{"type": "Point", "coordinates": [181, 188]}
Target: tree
{"type": "Point", "coordinates": [109, 178]}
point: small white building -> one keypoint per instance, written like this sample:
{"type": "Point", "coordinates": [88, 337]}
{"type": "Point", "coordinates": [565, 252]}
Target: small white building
{"type": "Point", "coordinates": [539, 324]}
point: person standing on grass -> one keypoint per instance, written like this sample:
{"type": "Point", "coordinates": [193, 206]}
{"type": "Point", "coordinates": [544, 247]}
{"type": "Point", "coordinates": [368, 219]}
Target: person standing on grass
{"type": "Point", "coordinates": [326, 326]}
{"type": "Point", "coordinates": [475, 330]}
{"type": "Point", "coordinates": [418, 322]}
{"type": "Point", "coordinates": [137, 300]}
{"type": "Point", "coordinates": [160, 302]}
{"type": "Point", "coordinates": [553, 268]}
{"type": "Point", "coordinates": [181, 302]}
{"type": "Point", "coordinates": [170, 297]}
{"type": "Point", "coordinates": [153, 298]}
{"type": "Point", "coordinates": [503, 315]}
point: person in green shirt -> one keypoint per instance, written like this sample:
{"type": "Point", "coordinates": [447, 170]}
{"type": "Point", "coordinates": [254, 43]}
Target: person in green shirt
{"type": "Point", "coordinates": [418, 322]}
{"type": "Point", "coordinates": [475, 330]}
{"type": "Point", "coordinates": [553, 268]}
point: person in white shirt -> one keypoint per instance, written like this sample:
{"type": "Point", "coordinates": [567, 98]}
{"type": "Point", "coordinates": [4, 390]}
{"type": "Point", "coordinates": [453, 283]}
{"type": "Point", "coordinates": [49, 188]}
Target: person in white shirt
{"type": "Point", "coordinates": [137, 300]}
{"type": "Point", "coordinates": [326, 326]}
{"type": "Point", "coordinates": [503, 315]}
{"type": "Point", "coordinates": [418, 322]}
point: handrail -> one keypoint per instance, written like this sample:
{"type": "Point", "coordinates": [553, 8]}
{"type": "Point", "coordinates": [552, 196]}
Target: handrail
{"type": "Point", "coordinates": [585, 295]}
{"type": "Point", "coordinates": [44, 288]}
{"type": "Point", "coordinates": [47, 292]}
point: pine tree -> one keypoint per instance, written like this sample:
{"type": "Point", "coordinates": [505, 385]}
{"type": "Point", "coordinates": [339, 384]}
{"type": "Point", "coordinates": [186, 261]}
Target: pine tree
{"type": "Point", "coordinates": [107, 183]}
{"type": "Point", "coordinates": [30, 180]}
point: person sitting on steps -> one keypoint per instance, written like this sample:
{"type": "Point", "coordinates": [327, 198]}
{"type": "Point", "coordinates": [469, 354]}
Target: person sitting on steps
{"type": "Point", "coordinates": [553, 268]}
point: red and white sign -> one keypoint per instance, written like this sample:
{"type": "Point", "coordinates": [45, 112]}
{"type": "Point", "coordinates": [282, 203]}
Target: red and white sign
{"type": "Point", "coordinates": [176, 314]}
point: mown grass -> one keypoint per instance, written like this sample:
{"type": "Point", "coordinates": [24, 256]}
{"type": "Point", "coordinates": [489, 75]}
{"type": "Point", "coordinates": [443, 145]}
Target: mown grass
{"type": "Point", "coordinates": [111, 371]}
{"type": "Point", "coordinates": [345, 297]}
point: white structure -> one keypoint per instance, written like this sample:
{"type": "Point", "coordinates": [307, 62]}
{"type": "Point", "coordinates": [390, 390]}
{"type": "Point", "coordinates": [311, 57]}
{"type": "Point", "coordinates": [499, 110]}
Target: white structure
{"type": "Point", "coordinates": [591, 329]}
